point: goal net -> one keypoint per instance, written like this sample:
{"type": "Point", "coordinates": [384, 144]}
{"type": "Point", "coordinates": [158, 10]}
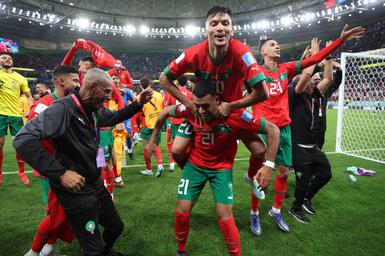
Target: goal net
{"type": "Point", "coordinates": [361, 106]}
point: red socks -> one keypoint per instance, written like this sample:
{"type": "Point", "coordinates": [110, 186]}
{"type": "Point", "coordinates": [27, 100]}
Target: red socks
{"type": "Point", "coordinates": [280, 191]}
{"type": "Point", "coordinates": [158, 155]}
{"type": "Point", "coordinates": [146, 159]}
{"type": "Point", "coordinates": [20, 163]}
{"type": "Point", "coordinates": [1, 158]}
{"type": "Point", "coordinates": [254, 165]}
{"type": "Point", "coordinates": [181, 229]}
{"type": "Point", "coordinates": [108, 176]}
{"type": "Point", "coordinates": [42, 234]}
{"type": "Point", "coordinates": [231, 234]}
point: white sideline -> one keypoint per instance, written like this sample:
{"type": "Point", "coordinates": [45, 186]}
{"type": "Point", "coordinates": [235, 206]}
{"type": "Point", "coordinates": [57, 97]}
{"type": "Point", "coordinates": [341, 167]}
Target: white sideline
{"type": "Point", "coordinates": [142, 165]}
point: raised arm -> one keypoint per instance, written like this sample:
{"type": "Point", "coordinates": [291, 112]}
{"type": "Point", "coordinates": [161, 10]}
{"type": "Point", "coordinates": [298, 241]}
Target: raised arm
{"type": "Point", "coordinates": [327, 79]}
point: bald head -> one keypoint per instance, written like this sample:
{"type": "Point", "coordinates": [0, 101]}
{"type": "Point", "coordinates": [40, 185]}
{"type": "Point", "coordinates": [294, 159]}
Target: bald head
{"type": "Point", "coordinates": [97, 87]}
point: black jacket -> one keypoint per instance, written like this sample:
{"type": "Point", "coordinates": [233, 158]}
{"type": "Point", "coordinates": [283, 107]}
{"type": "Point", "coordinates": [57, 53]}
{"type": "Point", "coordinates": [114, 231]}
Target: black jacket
{"type": "Point", "coordinates": [73, 138]}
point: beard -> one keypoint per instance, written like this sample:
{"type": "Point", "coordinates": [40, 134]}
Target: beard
{"type": "Point", "coordinates": [67, 91]}
{"type": "Point", "coordinates": [6, 66]}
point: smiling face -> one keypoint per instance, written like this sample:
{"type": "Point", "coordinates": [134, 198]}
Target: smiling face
{"type": "Point", "coordinates": [101, 91]}
{"type": "Point", "coordinates": [207, 106]}
{"type": "Point", "coordinates": [271, 49]}
{"type": "Point", "coordinates": [218, 30]}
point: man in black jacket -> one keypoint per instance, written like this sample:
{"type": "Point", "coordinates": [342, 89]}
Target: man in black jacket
{"type": "Point", "coordinates": [74, 171]}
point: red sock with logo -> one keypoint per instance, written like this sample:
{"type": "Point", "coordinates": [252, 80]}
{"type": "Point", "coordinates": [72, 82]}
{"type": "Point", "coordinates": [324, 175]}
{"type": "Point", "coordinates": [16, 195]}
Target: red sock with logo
{"type": "Point", "coordinates": [231, 234]}
{"type": "Point", "coordinates": [146, 159]}
{"type": "Point", "coordinates": [279, 191]}
{"type": "Point", "coordinates": [181, 229]}
{"type": "Point", "coordinates": [42, 234]}
{"type": "Point", "coordinates": [20, 163]}
{"type": "Point", "coordinates": [158, 155]}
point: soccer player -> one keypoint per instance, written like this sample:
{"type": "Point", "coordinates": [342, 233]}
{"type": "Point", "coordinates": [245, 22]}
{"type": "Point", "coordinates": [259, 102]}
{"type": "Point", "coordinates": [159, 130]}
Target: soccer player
{"type": "Point", "coordinates": [12, 84]}
{"type": "Point", "coordinates": [55, 224]}
{"type": "Point", "coordinates": [74, 170]}
{"type": "Point", "coordinates": [42, 89]}
{"type": "Point", "coordinates": [169, 100]}
{"type": "Point", "coordinates": [312, 168]}
{"type": "Point", "coordinates": [124, 75]}
{"type": "Point", "coordinates": [151, 111]}
{"type": "Point", "coordinates": [228, 63]}
{"type": "Point", "coordinates": [276, 110]}
{"type": "Point", "coordinates": [208, 161]}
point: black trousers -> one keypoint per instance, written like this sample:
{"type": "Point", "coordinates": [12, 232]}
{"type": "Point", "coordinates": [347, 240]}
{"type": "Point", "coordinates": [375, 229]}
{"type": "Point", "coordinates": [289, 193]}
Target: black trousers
{"type": "Point", "coordinates": [312, 171]}
{"type": "Point", "coordinates": [92, 208]}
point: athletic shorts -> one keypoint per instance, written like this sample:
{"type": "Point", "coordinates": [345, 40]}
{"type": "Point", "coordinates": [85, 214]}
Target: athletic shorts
{"type": "Point", "coordinates": [15, 124]}
{"type": "Point", "coordinates": [174, 130]}
{"type": "Point", "coordinates": [194, 179]}
{"type": "Point", "coordinates": [185, 130]}
{"type": "Point", "coordinates": [284, 154]}
{"type": "Point", "coordinates": [147, 133]}
{"type": "Point", "coordinates": [107, 142]}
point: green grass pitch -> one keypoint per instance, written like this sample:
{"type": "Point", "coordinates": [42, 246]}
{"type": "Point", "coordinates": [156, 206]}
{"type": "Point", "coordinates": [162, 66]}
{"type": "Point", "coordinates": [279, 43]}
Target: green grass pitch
{"type": "Point", "coordinates": [349, 219]}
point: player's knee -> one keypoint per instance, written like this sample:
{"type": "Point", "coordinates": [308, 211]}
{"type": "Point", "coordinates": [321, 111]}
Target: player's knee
{"type": "Point", "coordinates": [283, 171]}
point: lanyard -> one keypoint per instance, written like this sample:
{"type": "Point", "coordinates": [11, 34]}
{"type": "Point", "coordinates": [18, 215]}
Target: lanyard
{"type": "Point", "coordinates": [311, 106]}
{"type": "Point", "coordinates": [95, 130]}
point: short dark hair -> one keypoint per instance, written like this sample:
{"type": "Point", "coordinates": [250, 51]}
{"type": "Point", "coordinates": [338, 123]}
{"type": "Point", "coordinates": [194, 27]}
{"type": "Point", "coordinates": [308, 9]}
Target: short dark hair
{"type": "Point", "coordinates": [262, 41]}
{"type": "Point", "coordinates": [7, 53]}
{"type": "Point", "coordinates": [218, 9]}
{"type": "Point", "coordinates": [182, 80]}
{"type": "Point", "coordinates": [43, 84]}
{"type": "Point", "coordinates": [88, 59]}
{"type": "Point", "coordinates": [145, 82]}
{"type": "Point", "coordinates": [114, 74]}
{"type": "Point", "coordinates": [204, 88]}
{"type": "Point", "coordinates": [63, 70]}
{"type": "Point", "coordinates": [193, 80]}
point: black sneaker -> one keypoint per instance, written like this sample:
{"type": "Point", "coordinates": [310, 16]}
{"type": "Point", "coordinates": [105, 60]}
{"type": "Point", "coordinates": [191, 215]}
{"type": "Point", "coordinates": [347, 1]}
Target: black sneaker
{"type": "Point", "coordinates": [308, 207]}
{"type": "Point", "coordinates": [300, 216]}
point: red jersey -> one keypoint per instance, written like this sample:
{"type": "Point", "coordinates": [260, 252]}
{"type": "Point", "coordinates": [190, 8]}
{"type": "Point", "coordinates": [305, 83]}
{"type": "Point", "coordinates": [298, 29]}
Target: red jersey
{"type": "Point", "coordinates": [38, 107]}
{"type": "Point", "coordinates": [215, 144]}
{"type": "Point", "coordinates": [276, 108]}
{"type": "Point", "coordinates": [169, 100]}
{"type": "Point", "coordinates": [229, 73]}
{"type": "Point", "coordinates": [124, 77]}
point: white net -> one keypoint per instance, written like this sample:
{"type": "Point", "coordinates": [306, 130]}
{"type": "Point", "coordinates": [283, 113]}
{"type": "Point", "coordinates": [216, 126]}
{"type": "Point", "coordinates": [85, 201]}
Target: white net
{"type": "Point", "coordinates": [361, 108]}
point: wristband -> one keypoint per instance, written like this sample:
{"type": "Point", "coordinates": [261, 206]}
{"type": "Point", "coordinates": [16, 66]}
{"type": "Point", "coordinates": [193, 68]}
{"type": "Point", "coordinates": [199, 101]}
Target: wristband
{"type": "Point", "coordinates": [269, 164]}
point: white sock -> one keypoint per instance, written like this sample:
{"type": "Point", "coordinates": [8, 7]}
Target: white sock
{"type": "Point", "coordinates": [172, 166]}
{"type": "Point", "coordinates": [254, 213]}
{"type": "Point", "coordinates": [118, 179]}
{"type": "Point", "coordinates": [32, 253]}
{"type": "Point", "coordinates": [160, 166]}
{"type": "Point", "coordinates": [276, 210]}
{"type": "Point", "coordinates": [47, 249]}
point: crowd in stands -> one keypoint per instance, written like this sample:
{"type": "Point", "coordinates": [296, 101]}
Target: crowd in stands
{"type": "Point", "coordinates": [151, 64]}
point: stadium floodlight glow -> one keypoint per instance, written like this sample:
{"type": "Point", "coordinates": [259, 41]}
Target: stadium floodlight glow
{"type": "Point", "coordinates": [286, 21]}
{"type": "Point", "coordinates": [14, 9]}
{"type": "Point", "coordinates": [191, 29]}
{"type": "Point", "coordinates": [323, 13]}
{"type": "Point", "coordinates": [130, 29]}
{"type": "Point", "coordinates": [329, 11]}
{"type": "Point", "coordinates": [20, 11]}
{"type": "Point", "coordinates": [82, 23]}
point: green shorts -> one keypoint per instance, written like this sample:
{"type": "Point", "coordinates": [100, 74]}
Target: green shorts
{"type": "Point", "coordinates": [107, 142]}
{"type": "Point", "coordinates": [147, 133]}
{"type": "Point", "coordinates": [174, 130]}
{"type": "Point", "coordinates": [194, 179]}
{"type": "Point", "coordinates": [284, 154]}
{"type": "Point", "coordinates": [15, 124]}
{"type": "Point", "coordinates": [185, 130]}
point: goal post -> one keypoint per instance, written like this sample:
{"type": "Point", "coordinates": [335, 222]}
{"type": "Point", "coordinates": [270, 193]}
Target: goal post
{"type": "Point", "coordinates": [361, 106]}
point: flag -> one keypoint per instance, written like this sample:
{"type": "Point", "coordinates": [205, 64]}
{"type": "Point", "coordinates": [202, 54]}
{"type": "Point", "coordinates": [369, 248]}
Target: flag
{"type": "Point", "coordinates": [330, 3]}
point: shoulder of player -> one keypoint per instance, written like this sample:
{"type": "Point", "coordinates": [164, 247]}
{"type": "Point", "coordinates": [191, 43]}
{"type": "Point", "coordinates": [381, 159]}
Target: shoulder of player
{"type": "Point", "coordinates": [237, 47]}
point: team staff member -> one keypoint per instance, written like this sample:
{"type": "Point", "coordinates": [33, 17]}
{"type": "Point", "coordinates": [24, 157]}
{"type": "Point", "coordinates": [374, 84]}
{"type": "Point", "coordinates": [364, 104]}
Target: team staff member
{"type": "Point", "coordinates": [11, 86]}
{"type": "Point", "coordinates": [74, 170]}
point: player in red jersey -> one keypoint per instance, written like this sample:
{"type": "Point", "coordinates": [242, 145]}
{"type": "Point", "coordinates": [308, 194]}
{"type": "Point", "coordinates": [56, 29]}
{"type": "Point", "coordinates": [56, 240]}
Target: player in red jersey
{"type": "Point", "coordinates": [169, 100]}
{"type": "Point", "coordinates": [55, 224]}
{"type": "Point", "coordinates": [124, 75]}
{"type": "Point", "coordinates": [228, 63]}
{"type": "Point", "coordinates": [88, 63]}
{"type": "Point", "coordinates": [276, 110]}
{"type": "Point", "coordinates": [209, 162]}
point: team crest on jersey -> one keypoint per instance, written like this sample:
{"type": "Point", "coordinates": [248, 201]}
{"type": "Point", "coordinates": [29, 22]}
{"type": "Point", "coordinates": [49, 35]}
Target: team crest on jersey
{"type": "Point", "coordinates": [222, 128]}
{"type": "Point", "coordinates": [247, 116]}
{"type": "Point", "coordinates": [248, 59]}
{"type": "Point", "coordinates": [14, 83]}
{"type": "Point", "coordinates": [181, 107]}
{"type": "Point", "coordinates": [180, 58]}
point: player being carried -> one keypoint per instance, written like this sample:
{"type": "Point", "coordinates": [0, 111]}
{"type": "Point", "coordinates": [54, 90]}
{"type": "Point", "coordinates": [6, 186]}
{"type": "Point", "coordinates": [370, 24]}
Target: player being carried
{"type": "Point", "coordinates": [276, 110]}
{"type": "Point", "coordinates": [208, 161]}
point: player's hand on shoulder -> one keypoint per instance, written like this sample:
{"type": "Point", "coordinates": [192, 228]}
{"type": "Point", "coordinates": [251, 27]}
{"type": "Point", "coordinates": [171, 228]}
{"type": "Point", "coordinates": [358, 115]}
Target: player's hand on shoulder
{"type": "Point", "coordinates": [224, 109]}
{"type": "Point", "coordinates": [72, 181]}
